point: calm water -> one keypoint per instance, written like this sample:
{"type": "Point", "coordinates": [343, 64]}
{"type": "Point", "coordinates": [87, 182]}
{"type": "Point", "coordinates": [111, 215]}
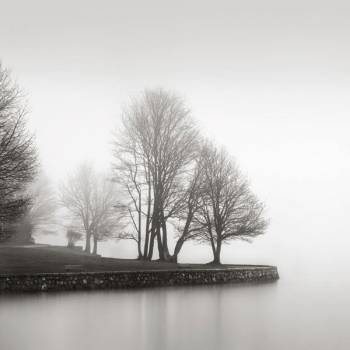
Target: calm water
{"type": "Point", "coordinates": [289, 314]}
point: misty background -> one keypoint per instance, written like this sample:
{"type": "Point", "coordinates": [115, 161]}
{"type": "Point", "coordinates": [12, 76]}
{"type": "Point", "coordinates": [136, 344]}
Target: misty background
{"type": "Point", "coordinates": [269, 80]}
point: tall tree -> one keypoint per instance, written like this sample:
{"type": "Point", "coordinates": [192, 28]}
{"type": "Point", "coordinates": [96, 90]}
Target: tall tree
{"type": "Point", "coordinates": [91, 199]}
{"type": "Point", "coordinates": [18, 156]}
{"type": "Point", "coordinates": [153, 152]}
{"type": "Point", "coordinates": [228, 209]}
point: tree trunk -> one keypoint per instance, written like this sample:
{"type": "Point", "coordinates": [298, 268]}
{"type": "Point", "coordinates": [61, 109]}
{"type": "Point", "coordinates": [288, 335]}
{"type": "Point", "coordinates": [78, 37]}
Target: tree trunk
{"type": "Point", "coordinates": [217, 253]}
{"type": "Point", "coordinates": [87, 243]}
{"type": "Point", "coordinates": [155, 233]}
{"type": "Point", "coordinates": [154, 227]}
{"type": "Point", "coordinates": [177, 249]}
{"type": "Point", "coordinates": [160, 245]}
{"type": "Point", "coordinates": [165, 249]}
{"type": "Point", "coordinates": [94, 251]}
{"type": "Point", "coordinates": [148, 221]}
{"type": "Point", "coordinates": [145, 248]}
{"type": "Point", "coordinates": [139, 248]}
{"type": "Point", "coordinates": [212, 244]}
{"type": "Point", "coordinates": [151, 245]}
{"type": "Point", "coordinates": [139, 230]}
{"type": "Point", "coordinates": [173, 258]}
{"type": "Point", "coordinates": [216, 259]}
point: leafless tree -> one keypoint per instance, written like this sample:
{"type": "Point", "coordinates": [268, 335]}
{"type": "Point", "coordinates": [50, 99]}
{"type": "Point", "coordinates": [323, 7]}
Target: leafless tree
{"type": "Point", "coordinates": [135, 206]}
{"type": "Point", "coordinates": [76, 196]}
{"type": "Point", "coordinates": [18, 156]}
{"type": "Point", "coordinates": [38, 217]}
{"type": "Point", "coordinates": [107, 220]}
{"type": "Point", "coordinates": [228, 208]}
{"type": "Point", "coordinates": [92, 200]}
{"type": "Point", "coordinates": [153, 151]}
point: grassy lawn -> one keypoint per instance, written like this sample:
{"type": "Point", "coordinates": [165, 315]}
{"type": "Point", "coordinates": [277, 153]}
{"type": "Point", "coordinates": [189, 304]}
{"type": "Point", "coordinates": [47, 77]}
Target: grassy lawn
{"type": "Point", "coordinates": [39, 259]}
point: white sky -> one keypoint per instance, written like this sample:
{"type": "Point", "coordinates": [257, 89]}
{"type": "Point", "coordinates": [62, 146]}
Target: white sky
{"type": "Point", "coordinates": [270, 80]}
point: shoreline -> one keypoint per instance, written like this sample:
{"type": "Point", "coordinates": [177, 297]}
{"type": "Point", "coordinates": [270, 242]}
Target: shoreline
{"type": "Point", "coordinates": [126, 279]}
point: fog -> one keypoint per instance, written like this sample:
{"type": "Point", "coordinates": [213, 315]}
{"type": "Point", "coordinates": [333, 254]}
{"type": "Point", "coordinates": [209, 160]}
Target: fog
{"type": "Point", "coordinates": [270, 81]}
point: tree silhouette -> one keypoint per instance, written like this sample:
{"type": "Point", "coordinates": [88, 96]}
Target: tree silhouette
{"type": "Point", "coordinates": [18, 156]}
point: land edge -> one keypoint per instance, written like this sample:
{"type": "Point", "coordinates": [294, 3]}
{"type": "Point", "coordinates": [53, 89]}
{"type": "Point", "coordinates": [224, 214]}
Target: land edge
{"type": "Point", "coordinates": [124, 279]}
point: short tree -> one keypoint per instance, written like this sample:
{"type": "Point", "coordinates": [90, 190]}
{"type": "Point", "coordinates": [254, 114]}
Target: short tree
{"type": "Point", "coordinates": [91, 199]}
{"type": "Point", "coordinates": [228, 209]}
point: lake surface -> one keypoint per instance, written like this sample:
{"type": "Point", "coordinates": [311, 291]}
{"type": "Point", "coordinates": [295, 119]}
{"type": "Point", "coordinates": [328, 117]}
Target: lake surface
{"type": "Point", "coordinates": [288, 314]}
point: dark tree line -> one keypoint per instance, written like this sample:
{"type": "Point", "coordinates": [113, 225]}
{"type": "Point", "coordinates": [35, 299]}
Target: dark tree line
{"type": "Point", "coordinates": [18, 156]}
{"type": "Point", "coordinates": [174, 180]}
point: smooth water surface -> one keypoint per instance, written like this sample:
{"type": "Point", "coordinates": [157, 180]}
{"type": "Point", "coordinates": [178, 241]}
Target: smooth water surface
{"type": "Point", "coordinates": [281, 315]}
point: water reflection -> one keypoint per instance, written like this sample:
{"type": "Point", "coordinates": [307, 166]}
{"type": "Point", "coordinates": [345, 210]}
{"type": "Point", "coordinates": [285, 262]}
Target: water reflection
{"type": "Point", "coordinates": [268, 316]}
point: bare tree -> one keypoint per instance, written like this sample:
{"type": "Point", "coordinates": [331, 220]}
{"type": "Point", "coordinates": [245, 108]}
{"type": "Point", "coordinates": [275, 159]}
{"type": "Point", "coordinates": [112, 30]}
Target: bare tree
{"type": "Point", "coordinates": [228, 208]}
{"type": "Point", "coordinates": [135, 205]}
{"type": "Point", "coordinates": [107, 220]}
{"type": "Point", "coordinates": [153, 152]}
{"type": "Point", "coordinates": [18, 156]}
{"type": "Point", "coordinates": [76, 196]}
{"type": "Point", "coordinates": [92, 200]}
{"type": "Point", "coordinates": [38, 217]}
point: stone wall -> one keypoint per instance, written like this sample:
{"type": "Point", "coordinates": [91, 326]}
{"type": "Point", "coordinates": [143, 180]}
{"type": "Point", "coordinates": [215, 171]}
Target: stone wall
{"type": "Point", "coordinates": [134, 279]}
